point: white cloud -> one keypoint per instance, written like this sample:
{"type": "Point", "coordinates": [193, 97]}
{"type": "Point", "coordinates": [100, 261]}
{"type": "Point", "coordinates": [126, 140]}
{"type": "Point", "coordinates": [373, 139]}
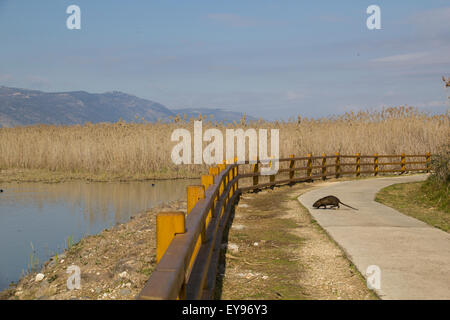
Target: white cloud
{"type": "Point", "coordinates": [292, 95]}
{"type": "Point", "coordinates": [402, 57]}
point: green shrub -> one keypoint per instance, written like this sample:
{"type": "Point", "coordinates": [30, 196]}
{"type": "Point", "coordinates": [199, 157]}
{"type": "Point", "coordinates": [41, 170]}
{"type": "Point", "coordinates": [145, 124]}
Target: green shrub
{"type": "Point", "coordinates": [437, 185]}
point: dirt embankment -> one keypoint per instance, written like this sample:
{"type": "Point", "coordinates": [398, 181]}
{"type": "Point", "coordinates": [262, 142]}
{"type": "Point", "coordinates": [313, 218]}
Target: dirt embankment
{"type": "Point", "coordinates": [114, 264]}
{"type": "Point", "coordinates": [276, 250]}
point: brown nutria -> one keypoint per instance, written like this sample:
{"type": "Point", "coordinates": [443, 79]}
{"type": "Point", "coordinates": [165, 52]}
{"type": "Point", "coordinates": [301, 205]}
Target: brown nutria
{"type": "Point", "coordinates": [331, 201]}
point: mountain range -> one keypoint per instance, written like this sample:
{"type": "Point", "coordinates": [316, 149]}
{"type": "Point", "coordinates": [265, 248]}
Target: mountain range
{"type": "Point", "coordinates": [27, 107]}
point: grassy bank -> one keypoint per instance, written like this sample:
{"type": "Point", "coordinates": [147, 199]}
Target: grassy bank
{"type": "Point", "coordinates": [49, 176]}
{"type": "Point", "coordinates": [428, 201]}
{"type": "Point", "coordinates": [135, 151]}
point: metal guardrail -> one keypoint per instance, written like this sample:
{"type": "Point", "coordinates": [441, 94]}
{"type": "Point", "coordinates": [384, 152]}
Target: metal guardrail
{"type": "Point", "coordinates": [188, 246]}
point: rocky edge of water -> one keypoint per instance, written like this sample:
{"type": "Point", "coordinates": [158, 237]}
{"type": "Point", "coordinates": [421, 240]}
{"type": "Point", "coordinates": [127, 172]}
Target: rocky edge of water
{"type": "Point", "coordinates": [114, 264]}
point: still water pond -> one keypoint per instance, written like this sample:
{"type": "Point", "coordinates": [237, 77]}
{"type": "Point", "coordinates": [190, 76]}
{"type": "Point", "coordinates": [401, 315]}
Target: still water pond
{"type": "Point", "coordinates": [37, 218]}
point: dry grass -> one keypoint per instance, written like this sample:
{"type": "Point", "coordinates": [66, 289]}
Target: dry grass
{"type": "Point", "coordinates": [414, 200]}
{"type": "Point", "coordinates": [142, 150]}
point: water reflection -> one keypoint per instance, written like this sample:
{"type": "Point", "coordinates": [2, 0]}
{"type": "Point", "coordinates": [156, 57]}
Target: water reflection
{"type": "Point", "coordinates": [43, 215]}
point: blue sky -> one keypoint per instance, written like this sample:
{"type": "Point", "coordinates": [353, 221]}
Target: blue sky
{"type": "Point", "coordinates": [273, 59]}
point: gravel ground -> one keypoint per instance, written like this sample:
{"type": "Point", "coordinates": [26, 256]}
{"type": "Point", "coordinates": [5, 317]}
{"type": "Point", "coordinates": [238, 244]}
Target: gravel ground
{"type": "Point", "coordinates": [277, 251]}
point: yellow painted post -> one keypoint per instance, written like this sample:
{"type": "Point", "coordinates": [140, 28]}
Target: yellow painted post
{"type": "Point", "coordinates": [358, 164]}
{"type": "Point", "coordinates": [403, 162]}
{"type": "Point", "coordinates": [214, 171]}
{"type": "Point", "coordinates": [292, 167]}
{"type": "Point", "coordinates": [224, 181]}
{"type": "Point", "coordinates": [271, 177]}
{"type": "Point", "coordinates": [168, 224]}
{"type": "Point", "coordinates": [230, 178]}
{"type": "Point", "coordinates": [309, 165]}
{"type": "Point", "coordinates": [375, 164]}
{"type": "Point", "coordinates": [208, 180]}
{"type": "Point", "coordinates": [428, 160]}
{"type": "Point", "coordinates": [236, 172]}
{"type": "Point", "coordinates": [194, 193]}
{"type": "Point", "coordinates": [324, 166]}
{"type": "Point", "coordinates": [256, 171]}
{"type": "Point", "coordinates": [338, 164]}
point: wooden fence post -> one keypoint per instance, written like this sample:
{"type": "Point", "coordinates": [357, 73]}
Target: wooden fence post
{"type": "Point", "coordinates": [236, 172]}
{"type": "Point", "coordinates": [220, 187]}
{"type": "Point", "coordinates": [375, 164]}
{"type": "Point", "coordinates": [428, 160]}
{"type": "Point", "coordinates": [224, 181]}
{"type": "Point", "coordinates": [206, 181]}
{"type": "Point", "coordinates": [168, 224]}
{"type": "Point", "coordinates": [256, 171]}
{"type": "Point", "coordinates": [338, 164]}
{"type": "Point", "coordinates": [324, 166]}
{"type": "Point", "coordinates": [292, 167]}
{"type": "Point", "coordinates": [358, 164]}
{"type": "Point", "coordinates": [271, 177]}
{"type": "Point", "coordinates": [195, 193]}
{"type": "Point", "coordinates": [309, 165]}
{"type": "Point", "coordinates": [229, 178]}
{"type": "Point", "coordinates": [214, 171]}
{"type": "Point", "coordinates": [403, 162]}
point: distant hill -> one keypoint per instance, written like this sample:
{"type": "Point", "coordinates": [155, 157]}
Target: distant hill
{"type": "Point", "coordinates": [217, 114]}
{"type": "Point", "coordinates": [27, 107]}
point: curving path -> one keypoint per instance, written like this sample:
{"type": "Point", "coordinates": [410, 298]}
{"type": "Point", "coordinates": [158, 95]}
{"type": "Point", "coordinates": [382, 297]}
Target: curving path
{"type": "Point", "coordinates": [413, 257]}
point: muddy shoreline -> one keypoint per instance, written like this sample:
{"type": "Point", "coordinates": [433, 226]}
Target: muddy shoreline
{"type": "Point", "coordinates": [114, 264]}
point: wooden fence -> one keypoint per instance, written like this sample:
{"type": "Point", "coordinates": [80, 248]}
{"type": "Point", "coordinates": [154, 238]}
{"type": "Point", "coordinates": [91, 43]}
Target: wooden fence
{"type": "Point", "coordinates": [188, 246]}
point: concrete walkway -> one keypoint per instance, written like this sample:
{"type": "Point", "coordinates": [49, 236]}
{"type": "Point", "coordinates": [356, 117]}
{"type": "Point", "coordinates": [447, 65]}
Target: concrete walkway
{"type": "Point", "coordinates": [414, 258]}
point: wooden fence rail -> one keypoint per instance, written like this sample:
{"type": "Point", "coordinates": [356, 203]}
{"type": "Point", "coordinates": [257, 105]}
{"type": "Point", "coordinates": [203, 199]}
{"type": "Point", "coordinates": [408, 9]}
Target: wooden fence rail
{"type": "Point", "coordinates": [188, 246]}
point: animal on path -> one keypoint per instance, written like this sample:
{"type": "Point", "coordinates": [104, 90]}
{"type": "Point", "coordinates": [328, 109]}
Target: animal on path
{"type": "Point", "coordinates": [329, 201]}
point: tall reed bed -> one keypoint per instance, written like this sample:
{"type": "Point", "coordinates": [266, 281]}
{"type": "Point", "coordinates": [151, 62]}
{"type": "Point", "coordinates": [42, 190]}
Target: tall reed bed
{"type": "Point", "coordinates": [144, 149]}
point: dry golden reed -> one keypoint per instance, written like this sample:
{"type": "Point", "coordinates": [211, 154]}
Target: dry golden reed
{"type": "Point", "coordinates": [143, 149]}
